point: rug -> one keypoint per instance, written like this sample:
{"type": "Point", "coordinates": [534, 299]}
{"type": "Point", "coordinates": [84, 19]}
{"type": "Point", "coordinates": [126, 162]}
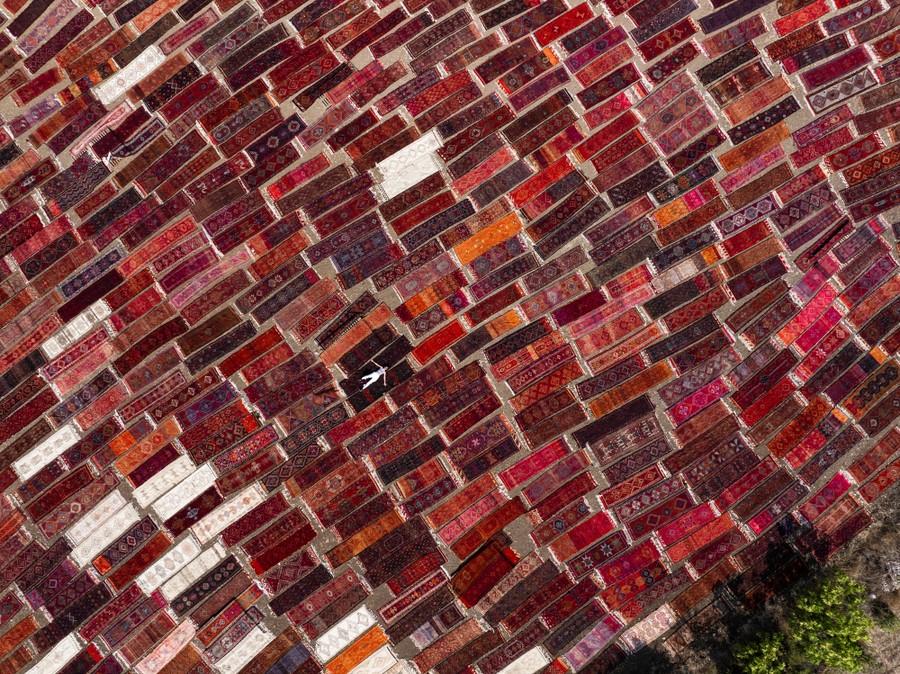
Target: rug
{"type": "Point", "coordinates": [446, 336]}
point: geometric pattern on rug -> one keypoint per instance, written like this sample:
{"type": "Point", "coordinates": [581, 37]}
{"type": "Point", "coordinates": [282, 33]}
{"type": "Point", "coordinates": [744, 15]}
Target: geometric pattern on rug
{"type": "Point", "coordinates": [369, 336]}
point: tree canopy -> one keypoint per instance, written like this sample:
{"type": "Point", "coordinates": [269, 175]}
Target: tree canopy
{"type": "Point", "coordinates": [763, 654]}
{"type": "Point", "coordinates": [826, 626]}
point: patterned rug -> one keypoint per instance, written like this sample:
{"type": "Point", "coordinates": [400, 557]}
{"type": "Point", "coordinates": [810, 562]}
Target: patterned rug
{"type": "Point", "coordinates": [445, 336]}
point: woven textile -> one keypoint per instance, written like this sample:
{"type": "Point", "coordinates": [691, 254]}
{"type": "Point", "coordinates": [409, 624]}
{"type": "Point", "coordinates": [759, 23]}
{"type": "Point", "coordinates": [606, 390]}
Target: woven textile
{"type": "Point", "coordinates": [384, 335]}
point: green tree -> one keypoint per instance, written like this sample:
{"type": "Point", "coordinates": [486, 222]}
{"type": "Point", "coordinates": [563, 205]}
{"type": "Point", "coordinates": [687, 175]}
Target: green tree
{"type": "Point", "coordinates": [764, 653]}
{"type": "Point", "coordinates": [828, 625]}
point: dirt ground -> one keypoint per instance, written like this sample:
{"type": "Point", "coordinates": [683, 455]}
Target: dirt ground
{"type": "Point", "coordinates": [866, 560]}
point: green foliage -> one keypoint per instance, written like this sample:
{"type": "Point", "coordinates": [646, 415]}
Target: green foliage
{"type": "Point", "coordinates": [764, 653]}
{"type": "Point", "coordinates": [828, 625]}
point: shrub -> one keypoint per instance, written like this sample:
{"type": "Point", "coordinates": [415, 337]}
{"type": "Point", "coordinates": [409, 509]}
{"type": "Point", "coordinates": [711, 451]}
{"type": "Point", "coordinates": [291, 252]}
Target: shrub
{"type": "Point", "coordinates": [762, 654]}
{"type": "Point", "coordinates": [828, 624]}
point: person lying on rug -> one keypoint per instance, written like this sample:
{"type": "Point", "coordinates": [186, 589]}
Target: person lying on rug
{"type": "Point", "coordinates": [372, 377]}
